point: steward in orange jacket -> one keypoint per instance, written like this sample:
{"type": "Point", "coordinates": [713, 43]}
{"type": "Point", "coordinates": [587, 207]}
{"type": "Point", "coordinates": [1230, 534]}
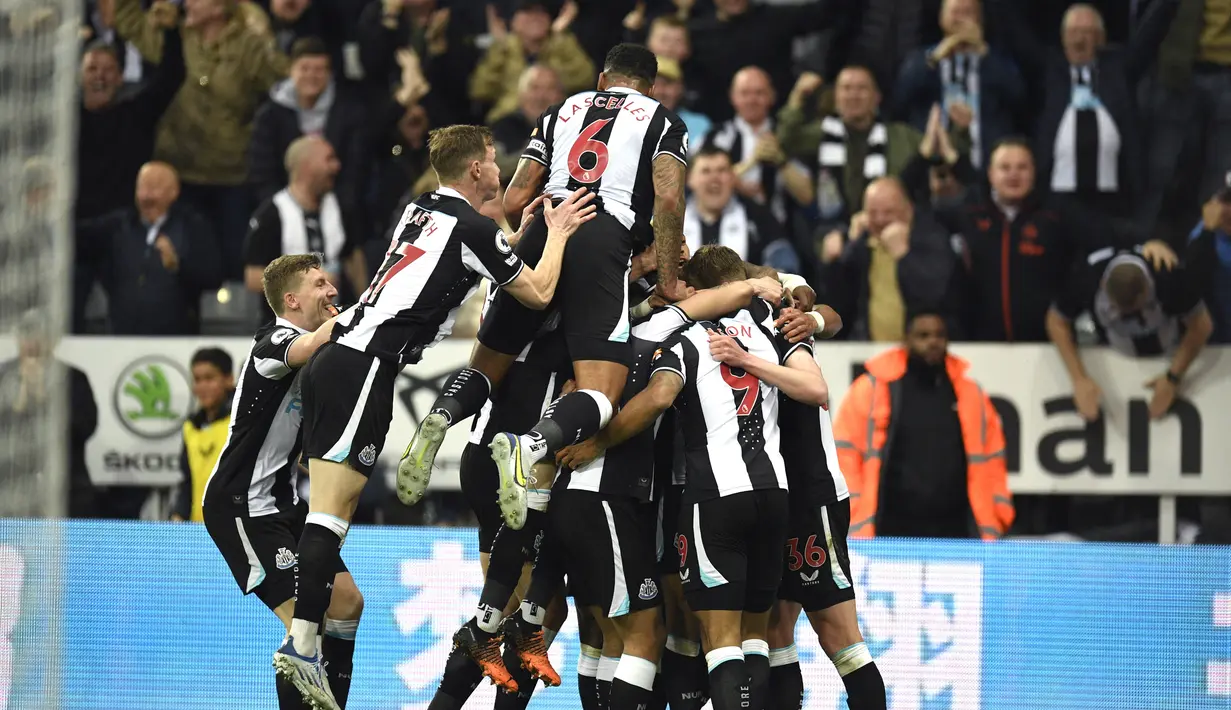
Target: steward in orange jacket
{"type": "Point", "coordinates": [866, 425]}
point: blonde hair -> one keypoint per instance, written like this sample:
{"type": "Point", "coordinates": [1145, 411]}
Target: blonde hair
{"type": "Point", "coordinates": [452, 149]}
{"type": "Point", "coordinates": [283, 275]}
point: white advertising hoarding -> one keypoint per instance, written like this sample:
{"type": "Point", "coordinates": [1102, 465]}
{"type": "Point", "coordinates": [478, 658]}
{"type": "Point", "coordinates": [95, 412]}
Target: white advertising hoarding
{"type": "Point", "coordinates": [143, 393]}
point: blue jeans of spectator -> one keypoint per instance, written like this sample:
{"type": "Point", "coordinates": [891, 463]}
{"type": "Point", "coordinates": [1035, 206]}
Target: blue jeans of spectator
{"type": "Point", "coordinates": [1190, 146]}
{"type": "Point", "coordinates": [227, 208]}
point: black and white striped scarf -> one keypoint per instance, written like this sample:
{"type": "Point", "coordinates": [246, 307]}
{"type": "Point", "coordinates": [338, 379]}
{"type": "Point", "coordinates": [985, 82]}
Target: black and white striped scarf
{"type": "Point", "coordinates": [1087, 147]}
{"type": "Point", "coordinates": [959, 83]}
{"type": "Point", "coordinates": [831, 164]}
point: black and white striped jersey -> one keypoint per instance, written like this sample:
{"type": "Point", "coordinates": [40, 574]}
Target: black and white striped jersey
{"type": "Point", "coordinates": [440, 249]}
{"type": "Point", "coordinates": [628, 469]}
{"type": "Point", "coordinates": [607, 141]}
{"type": "Point", "coordinates": [259, 461]}
{"type": "Point", "coordinates": [729, 417]}
{"type": "Point", "coordinates": [810, 454]}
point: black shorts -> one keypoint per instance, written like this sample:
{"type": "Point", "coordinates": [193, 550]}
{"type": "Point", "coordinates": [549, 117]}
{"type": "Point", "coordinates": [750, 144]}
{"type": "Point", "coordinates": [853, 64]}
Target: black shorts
{"type": "Point", "coordinates": [592, 294]}
{"type": "Point", "coordinates": [262, 551]}
{"type": "Point", "coordinates": [347, 406]}
{"type": "Point", "coordinates": [816, 571]}
{"type": "Point", "coordinates": [608, 544]}
{"type": "Point", "coordinates": [731, 551]}
{"type": "Point", "coordinates": [517, 406]}
{"type": "Point", "coordinates": [668, 521]}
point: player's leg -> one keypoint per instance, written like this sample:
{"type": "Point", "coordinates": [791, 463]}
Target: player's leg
{"type": "Point", "coordinates": [557, 613]}
{"type": "Point", "coordinates": [765, 554]}
{"type": "Point", "coordinates": [683, 666]}
{"type": "Point", "coordinates": [714, 571]}
{"type": "Point", "coordinates": [341, 628]}
{"type": "Point", "coordinates": [593, 299]}
{"type": "Point", "coordinates": [524, 630]}
{"type": "Point", "coordinates": [835, 620]}
{"type": "Point", "coordinates": [348, 404]}
{"type": "Point", "coordinates": [634, 601]}
{"type": "Point", "coordinates": [786, 680]}
{"type": "Point", "coordinates": [609, 660]}
{"type": "Point", "coordinates": [590, 638]}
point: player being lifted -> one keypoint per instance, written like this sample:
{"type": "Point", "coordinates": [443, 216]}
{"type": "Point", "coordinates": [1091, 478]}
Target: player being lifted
{"type": "Point", "coordinates": [251, 508]}
{"type": "Point", "coordinates": [442, 247]}
{"type": "Point", "coordinates": [630, 151]}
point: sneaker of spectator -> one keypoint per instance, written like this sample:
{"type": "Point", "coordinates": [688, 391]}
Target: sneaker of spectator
{"type": "Point", "coordinates": [532, 36]}
{"type": "Point", "coordinates": [718, 214]}
{"type": "Point", "coordinates": [978, 88]}
{"type": "Point", "coordinates": [231, 62]}
{"type": "Point", "coordinates": [538, 88]}
{"type": "Point", "coordinates": [309, 103]}
{"type": "Point", "coordinates": [1089, 143]}
{"type": "Point", "coordinates": [894, 260]}
{"type": "Point", "coordinates": [669, 90]}
{"type": "Point", "coordinates": [306, 216]}
{"type": "Point", "coordinates": [154, 258]}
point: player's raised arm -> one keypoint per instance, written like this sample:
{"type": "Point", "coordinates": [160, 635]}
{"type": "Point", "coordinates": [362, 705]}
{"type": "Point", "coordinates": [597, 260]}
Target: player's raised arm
{"type": "Point", "coordinates": [800, 378]}
{"type": "Point", "coordinates": [715, 302]}
{"type": "Point", "coordinates": [669, 173]}
{"type": "Point", "coordinates": [536, 287]}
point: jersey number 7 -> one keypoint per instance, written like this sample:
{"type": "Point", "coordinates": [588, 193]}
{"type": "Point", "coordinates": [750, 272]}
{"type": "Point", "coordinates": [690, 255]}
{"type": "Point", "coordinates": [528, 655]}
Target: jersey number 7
{"type": "Point", "coordinates": [398, 258]}
{"type": "Point", "coordinates": [743, 382]}
{"type": "Point", "coordinates": [587, 143]}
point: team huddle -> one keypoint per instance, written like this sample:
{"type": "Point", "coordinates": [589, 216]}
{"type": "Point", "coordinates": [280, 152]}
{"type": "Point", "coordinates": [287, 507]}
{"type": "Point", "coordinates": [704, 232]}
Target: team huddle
{"type": "Point", "coordinates": [651, 434]}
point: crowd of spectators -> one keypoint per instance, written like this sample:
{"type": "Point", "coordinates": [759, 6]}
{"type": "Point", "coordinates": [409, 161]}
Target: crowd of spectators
{"type": "Point", "coordinates": [956, 156]}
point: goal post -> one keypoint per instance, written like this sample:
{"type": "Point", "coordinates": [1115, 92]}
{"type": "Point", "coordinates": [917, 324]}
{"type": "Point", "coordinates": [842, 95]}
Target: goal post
{"type": "Point", "coordinates": [39, 57]}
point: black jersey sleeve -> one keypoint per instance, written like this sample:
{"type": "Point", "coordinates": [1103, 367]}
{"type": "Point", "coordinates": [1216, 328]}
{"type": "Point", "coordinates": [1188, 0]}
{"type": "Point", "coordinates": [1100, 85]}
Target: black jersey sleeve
{"type": "Point", "coordinates": [669, 357]}
{"type": "Point", "coordinates": [674, 140]}
{"type": "Point", "coordinates": [486, 251]}
{"type": "Point", "coordinates": [270, 349]}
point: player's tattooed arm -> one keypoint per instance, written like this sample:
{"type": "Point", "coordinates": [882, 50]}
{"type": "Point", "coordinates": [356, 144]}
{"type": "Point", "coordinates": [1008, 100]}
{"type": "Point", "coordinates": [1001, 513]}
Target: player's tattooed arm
{"type": "Point", "coordinates": [526, 185]}
{"type": "Point", "coordinates": [669, 174]}
{"type": "Point", "coordinates": [633, 418]}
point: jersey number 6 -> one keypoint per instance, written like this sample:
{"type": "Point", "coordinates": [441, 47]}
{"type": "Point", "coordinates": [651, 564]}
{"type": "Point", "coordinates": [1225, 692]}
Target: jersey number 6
{"type": "Point", "coordinates": [587, 143]}
{"type": "Point", "coordinates": [743, 382]}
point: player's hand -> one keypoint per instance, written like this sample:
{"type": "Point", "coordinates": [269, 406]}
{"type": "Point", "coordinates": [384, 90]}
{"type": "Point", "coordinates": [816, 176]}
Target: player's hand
{"type": "Point", "coordinates": [673, 292]}
{"type": "Point", "coordinates": [804, 298]}
{"type": "Point", "coordinates": [571, 214]}
{"type": "Point", "coordinates": [644, 263]}
{"type": "Point", "coordinates": [527, 215]}
{"type": "Point", "coordinates": [725, 349]}
{"type": "Point", "coordinates": [795, 325]}
{"type": "Point", "coordinates": [1086, 396]}
{"type": "Point", "coordinates": [1164, 396]}
{"type": "Point", "coordinates": [166, 251]}
{"type": "Point", "coordinates": [569, 387]}
{"type": "Point", "coordinates": [1161, 256]}
{"type": "Point", "coordinates": [767, 288]}
{"type": "Point", "coordinates": [578, 455]}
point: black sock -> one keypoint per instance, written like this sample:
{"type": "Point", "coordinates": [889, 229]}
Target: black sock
{"type": "Point", "coordinates": [626, 696]}
{"type": "Point", "coordinates": [339, 657]}
{"type": "Point", "coordinates": [685, 681]}
{"type": "Point", "coordinates": [604, 694]}
{"type": "Point", "coordinates": [510, 551]}
{"type": "Point", "coordinates": [574, 417]}
{"type": "Point", "coordinates": [587, 688]}
{"type": "Point", "coordinates": [548, 573]}
{"type": "Point", "coordinates": [757, 667]}
{"type": "Point", "coordinates": [729, 680]}
{"type": "Point", "coordinates": [463, 395]}
{"type": "Point", "coordinates": [786, 684]}
{"type": "Point", "coordinates": [658, 696]}
{"type": "Point", "coordinates": [462, 676]}
{"type": "Point", "coordinates": [525, 683]}
{"type": "Point", "coordinates": [289, 697]}
{"type": "Point", "coordinates": [318, 559]}
{"type": "Point", "coordinates": [865, 689]}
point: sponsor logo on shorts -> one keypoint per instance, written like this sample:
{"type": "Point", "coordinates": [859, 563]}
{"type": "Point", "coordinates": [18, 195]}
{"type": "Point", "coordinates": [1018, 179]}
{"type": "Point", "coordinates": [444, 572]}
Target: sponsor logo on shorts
{"type": "Point", "coordinates": [649, 590]}
{"type": "Point", "coordinates": [810, 579]}
{"type": "Point", "coordinates": [285, 559]}
{"type": "Point", "coordinates": [367, 456]}
{"type": "Point", "coordinates": [684, 574]}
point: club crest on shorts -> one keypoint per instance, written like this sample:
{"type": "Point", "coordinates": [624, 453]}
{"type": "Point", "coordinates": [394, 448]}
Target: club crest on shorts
{"type": "Point", "coordinates": [367, 456]}
{"type": "Point", "coordinates": [649, 590]}
{"type": "Point", "coordinates": [285, 559]}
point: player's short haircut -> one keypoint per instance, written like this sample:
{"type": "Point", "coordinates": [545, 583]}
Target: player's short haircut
{"type": "Point", "coordinates": [632, 61]}
{"type": "Point", "coordinates": [283, 275]}
{"type": "Point", "coordinates": [668, 22]}
{"type": "Point", "coordinates": [217, 357]}
{"type": "Point", "coordinates": [452, 149]}
{"type": "Point", "coordinates": [101, 45]}
{"type": "Point", "coordinates": [309, 47]}
{"type": "Point", "coordinates": [1125, 286]}
{"type": "Point", "coordinates": [709, 150]}
{"type": "Point", "coordinates": [713, 265]}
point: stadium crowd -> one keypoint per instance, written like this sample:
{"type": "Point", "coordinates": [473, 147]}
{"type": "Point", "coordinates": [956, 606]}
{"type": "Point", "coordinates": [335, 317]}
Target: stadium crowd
{"type": "Point", "coordinates": [217, 135]}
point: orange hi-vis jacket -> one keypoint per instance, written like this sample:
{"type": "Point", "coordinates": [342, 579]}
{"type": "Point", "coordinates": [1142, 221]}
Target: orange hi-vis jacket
{"type": "Point", "coordinates": [864, 432]}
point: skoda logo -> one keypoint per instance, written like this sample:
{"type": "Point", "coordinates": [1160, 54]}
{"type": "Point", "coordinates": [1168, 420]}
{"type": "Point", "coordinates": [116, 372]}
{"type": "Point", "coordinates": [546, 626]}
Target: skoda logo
{"type": "Point", "coordinates": [153, 397]}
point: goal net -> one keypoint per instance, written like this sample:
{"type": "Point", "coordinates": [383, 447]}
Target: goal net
{"type": "Point", "coordinates": [38, 79]}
